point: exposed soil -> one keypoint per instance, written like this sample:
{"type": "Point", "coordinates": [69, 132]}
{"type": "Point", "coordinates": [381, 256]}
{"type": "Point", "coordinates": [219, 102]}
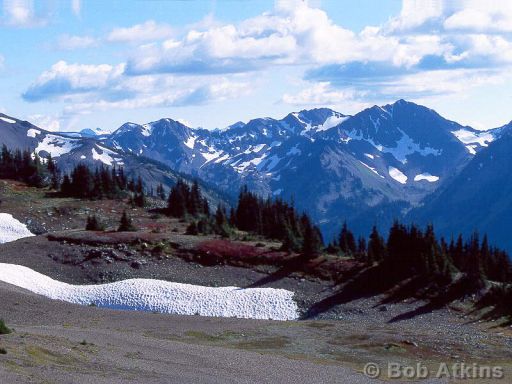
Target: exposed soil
{"type": "Point", "coordinates": [62, 343]}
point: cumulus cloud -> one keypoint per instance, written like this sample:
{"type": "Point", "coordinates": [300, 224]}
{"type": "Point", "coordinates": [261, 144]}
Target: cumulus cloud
{"type": "Point", "coordinates": [48, 122]}
{"type": "Point", "coordinates": [66, 80]}
{"type": "Point", "coordinates": [67, 42]}
{"type": "Point", "coordinates": [292, 33]}
{"type": "Point", "coordinates": [164, 96]}
{"type": "Point", "coordinates": [21, 13]}
{"type": "Point", "coordinates": [431, 48]}
{"type": "Point", "coordinates": [85, 88]}
{"type": "Point", "coordinates": [320, 94]}
{"type": "Point", "coordinates": [148, 31]}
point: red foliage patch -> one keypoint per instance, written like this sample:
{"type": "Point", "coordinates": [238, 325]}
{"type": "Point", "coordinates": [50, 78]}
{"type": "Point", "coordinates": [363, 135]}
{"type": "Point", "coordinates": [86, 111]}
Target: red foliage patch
{"type": "Point", "coordinates": [229, 252]}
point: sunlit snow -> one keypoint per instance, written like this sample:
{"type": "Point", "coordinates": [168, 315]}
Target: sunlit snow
{"type": "Point", "coordinates": [160, 296]}
{"type": "Point", "coordinates": [56, 145]}
{"type": "Point", "coordinates": [426, 176]}
{"type": "Point", "coordinates": [7, 120]}
{"type": "Point", "coordinates": [396, 174]}
{"type": "Point", "coordinates": [11, 229]}
{"type": "Point", "coordinates": [469, 137]}
{"type": "Point", "coordinates": [104, 156]}
{"type": "Point", "coordinates": [33, 132]}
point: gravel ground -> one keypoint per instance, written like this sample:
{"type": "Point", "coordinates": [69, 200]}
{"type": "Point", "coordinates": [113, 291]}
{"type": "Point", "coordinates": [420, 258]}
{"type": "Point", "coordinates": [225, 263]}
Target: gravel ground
{"type": "Point", "coordinates": [341, 339]}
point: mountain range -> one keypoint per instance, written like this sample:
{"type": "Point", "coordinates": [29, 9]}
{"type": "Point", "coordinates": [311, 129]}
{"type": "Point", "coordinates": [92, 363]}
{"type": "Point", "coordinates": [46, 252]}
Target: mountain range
{"type": "Point", "coordinates": [369, 168]}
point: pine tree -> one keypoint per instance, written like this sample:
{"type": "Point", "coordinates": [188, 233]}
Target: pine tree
{"type": "Point", "coordinates": [94, 224]}
{"type": "Point", "coordinates": [126, 224]}
{"type": "Point", "coordinates": [376, 247]}
{"type": "Point", "coordinates": [311, 243]}
{"type": "Point", "coordinates": [347, 242]}
{"type": "Point", "coordinates": [177, 203]}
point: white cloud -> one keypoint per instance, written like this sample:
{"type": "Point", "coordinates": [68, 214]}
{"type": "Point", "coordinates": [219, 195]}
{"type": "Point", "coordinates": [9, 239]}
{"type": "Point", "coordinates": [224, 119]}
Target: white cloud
{"type": "Point", "coordinates": [48, 122]}
{"type": "Point", "coordinates": [86, 88]}
{"type": "Point", "coordinates": [21, 13]}
{"type": "Point", "coordinates": [2, 61]}
{"type": "Point", "coordinates": [478, 16]}
{"type": "Point", "coordinates": [76, 7]}
{"type": "Point", "coordinates": [148, 31]}
{"type": "Point", "coordinates": [293, 33]}
{"type": "Point", "coordinates": [64, 80]}
{"type": "Point", "coordinates": [67, 42]}
{"type": "Point", "coordinates": [320, 94]}
{"type": "Point", "coordinates": [431, 48]}
{"type": "Point", "coordinates": [442, 82]}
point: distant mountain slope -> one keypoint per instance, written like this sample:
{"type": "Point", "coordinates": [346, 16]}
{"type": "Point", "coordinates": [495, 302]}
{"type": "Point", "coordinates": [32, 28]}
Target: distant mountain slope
{"type": "Point", "coordinates": [70, 149]}
{"type": "Point", "coordinates": [333, 165]}
{"type": "Point", "coordinates": [480, 197]}
{"type": "Point", "coordinates": [367, 168]}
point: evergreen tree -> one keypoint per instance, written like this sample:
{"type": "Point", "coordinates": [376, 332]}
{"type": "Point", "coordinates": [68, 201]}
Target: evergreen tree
{"type": "Point", "coordinates": [177, 203]}
{"type": "Point", "coordinates": [347, 242]}
{"type": "Point", "coordinates": [126, 224]}
{"type": "Point", "coordinates": [376, 247]}
{"type": "Point", "coordinates": [94, 224]}
{"type": "Point", "coordinates": [311, 243]}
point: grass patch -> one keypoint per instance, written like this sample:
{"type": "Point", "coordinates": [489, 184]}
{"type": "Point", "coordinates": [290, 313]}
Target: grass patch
{"type": "Point", "coordinates": [4, 329]}
{"type": "Point", "coordinates": [278, 342]}
{"type": "Point", "coordinates": [202, 336]}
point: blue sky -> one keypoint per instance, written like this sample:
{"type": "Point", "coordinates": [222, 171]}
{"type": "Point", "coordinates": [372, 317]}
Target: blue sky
{"type": "Point", "coordinates": [69, 65]}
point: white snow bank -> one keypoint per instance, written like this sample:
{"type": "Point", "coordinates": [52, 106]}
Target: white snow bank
{"type": "Point", "coordinates": [57, 145]}
{"type": "Point", "coordinates": [397, 174]}
{"type": "Point", "coordinates": [11, 229]}
{"type": "Point", "coordinates": [33, 132]}
{"type": "Point", "coordinates": [160, 296]}
{"type": "Point", "coordinates": [426, 176]}
{"type": "Point", "coordinates": [468, 137]}
{"type": "Point", "coordinates": [7, 120]}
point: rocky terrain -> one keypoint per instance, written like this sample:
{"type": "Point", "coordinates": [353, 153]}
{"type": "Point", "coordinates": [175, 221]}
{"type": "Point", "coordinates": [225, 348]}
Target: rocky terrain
{"type": "Point", "coordinates": [56, 341]}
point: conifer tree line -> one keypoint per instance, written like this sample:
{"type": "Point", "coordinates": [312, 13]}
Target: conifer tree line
{"type": "Point", "coordinates": [409, 251]}
{"type": "Point", "coordinates": [102, 183]}
{"type": "Point", "coordinates": [23, 166]}
{"type": "Point", "coordinates": [269, 218]}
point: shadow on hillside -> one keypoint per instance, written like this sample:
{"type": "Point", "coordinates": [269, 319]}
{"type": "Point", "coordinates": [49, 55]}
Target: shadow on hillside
{"type": "Point", "coordinates": [370, 282]}
{"type": "Point", "coordinates": [498, 310]}
{"type": "Point", "coordinates": [442, 298]}
{"type": "Point", "coordinates": [361, 285]}
{"type": "Point", "coordinates": [294, 264]}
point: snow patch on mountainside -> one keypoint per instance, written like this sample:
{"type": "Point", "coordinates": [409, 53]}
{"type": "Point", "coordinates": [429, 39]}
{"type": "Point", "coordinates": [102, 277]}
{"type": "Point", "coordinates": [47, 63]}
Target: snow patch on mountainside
{"type": "Point", "coordinates": [104, 156]}
{"type": "Point", "coordinates": [469, 137]}
{"type": "Point", "coordinates": [372, 169]}
{"type": "Point", "coordinates": [473, 140]}
{"type": "Point", "coordinates": [331, 122]}
{"type": "Point", "coordinates": [397, 174]}
{"type": "Point", "coordinates": [33, 132]}
{"type": "Point", "coordinates": [12, 229]}
{"type": "Point", "coordinates": [426, 176]}
{"type": "Point", "coordinates": [7, 120]}
{"type": "Point", "coordinates": [407, 146]}
{"type": "Point", "coordinates": [56, 145]}
{"type": "Point", "coordinates": [190, 142]}
{"type": "Point", "coordinates": [160, 296]}
{"type": "Point", "coordinates": [146, 130]}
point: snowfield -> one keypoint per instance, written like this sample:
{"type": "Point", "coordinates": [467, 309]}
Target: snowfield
{"type": "Point", "coordinates": [160, 296]}
{"type": "Point", "coordinates": [397, 174]}
{"type": "Point", "coordinates": [148, 294]}
{"type": "Point", "coordinates": [7, 120]}
{"type": "Point", "coordinates": [11, 229]}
